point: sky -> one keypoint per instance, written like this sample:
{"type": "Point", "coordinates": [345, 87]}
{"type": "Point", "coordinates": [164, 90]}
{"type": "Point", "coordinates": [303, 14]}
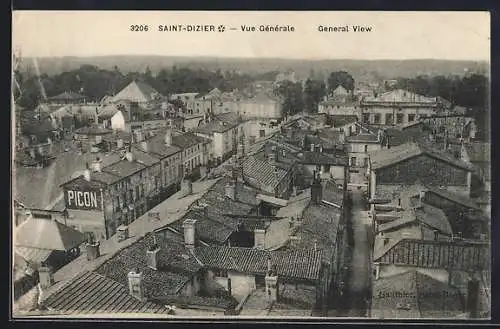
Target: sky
{"type": "Point", "coordinates": [394, 35]}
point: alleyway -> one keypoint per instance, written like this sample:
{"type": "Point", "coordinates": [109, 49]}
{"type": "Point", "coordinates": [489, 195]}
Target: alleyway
{"type": "Point", "coordinates": [358, 286]}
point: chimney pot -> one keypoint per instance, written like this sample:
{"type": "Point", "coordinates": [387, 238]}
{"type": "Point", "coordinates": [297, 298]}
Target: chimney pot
{"type": "Point", "coordinates": [231, 190]}
{"type": "Point", "coordinates": [46, 276]}
{"type": "Point", "coordinates": [259, 238]}
{"type": "Point", "coordinates": [152, 256]}
{"type": "Point", "coordinates": [86, 172]}
{"type": "Point", "coordinates": [135, 284]}
{"type": "Point", "coordinates": [144, 146]}
{"type": "Point", "coordinates": [189, 226]}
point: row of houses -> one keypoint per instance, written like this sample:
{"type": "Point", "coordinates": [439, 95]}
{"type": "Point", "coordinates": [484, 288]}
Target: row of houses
{"type": "Point", "coordinates": [236, 250]}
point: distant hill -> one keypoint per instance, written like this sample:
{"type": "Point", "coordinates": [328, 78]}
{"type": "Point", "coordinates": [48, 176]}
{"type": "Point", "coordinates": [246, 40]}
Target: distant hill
{"type": "Point", "coordinates": [360, 69]}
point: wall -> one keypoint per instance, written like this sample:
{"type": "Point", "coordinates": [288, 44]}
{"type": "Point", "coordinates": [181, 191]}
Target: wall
{"type": "Point", "coordinates": [193, 122]}
{"type": "Point", "coordinates": [118, 121]}
{"type": "Point", "coordinates": [264, 109]}
{"type": "Point", "coordinates": [406, 110]}
{"type": "Point", "coordinates": [435, 273]}
{"type": "Point", "coordinates": [436, 173]}
{"type": "Point", "coordinates": [219, 147]}
{"type": "Point", "coordinates": [277, 233]}
{"type": "Point", "coordinates": [357, 150]}
{"type": "Point", "coordinates": [241, 284]}
{"type": "Point", "coordinates": [87, 221]}
{"type": "Point", "coordinates": [171, 170]}
{"type": "Point", "coordinates": [339, 109]}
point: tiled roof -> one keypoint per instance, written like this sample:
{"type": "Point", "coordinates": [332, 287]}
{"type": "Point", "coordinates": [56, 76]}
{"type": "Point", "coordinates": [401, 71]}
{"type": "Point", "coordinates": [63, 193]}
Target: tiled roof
{"type": "Point", "coordinates": [362, 138]}
{"type": "Point", "coordinates": [263, 172]}
{"type": "Point", "coordinates": [415, 295]}
{"type": "Point", "coordinates": [178, 264]}
{"type": "Point", "coordinates": [342, 120]}
{"type": "Point", "coordinates": [47, 234]}
{"type": "Point", "coordinates": [144, 157]}
{"type": "Point", "coordinates": [124, 168]}
{"type": "Point", "coordinates": [444, 254]}
{"type": "Point", "coordinates": [108, 111]}
{"type": "Point", "coordinates": [33, 255]}
{"type": "Point", "coordinates": [157, 146]}
{"type": "Point", "coordinates": [332, 193]}
{"type": "Point", "coordinates": [431, 216]}
{"type": "Point", "coordinates": [296, 264]}
{"type": "Point", "coordinates": [91, 292]}
{"type": "Point", "coordinates": [215, 126]}
{"type": "Point", "coordinates": [187, 140]}
{"type": "Point", "coordinates": [330, 138]}
{"type": "Point", "coordinates": [137, 91]}
{"type": "Point", "coordinates": [244, 193]}
{"type": "Point", "coordinates": [387, 157]}
{"type": "Point", "coordinates": [400, 96]}
{"type": "Point", "coordinates": [207, 229]}
{"type": "Point", "coordinates": [321, 158]}
{"type": "Point", "coordinates": [479, 151]}
{"type": "Point", "coordinates": [454, 197]}
{"type": "Point", "coordinates": [319, 229]}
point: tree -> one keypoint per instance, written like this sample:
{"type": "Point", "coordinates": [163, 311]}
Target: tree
{"type": "Point", "coordinates": [340, 78]}
{"type": "Point", "coordinates": [314, 91]}
{"type": "Point", "coordinates": [292, 97]}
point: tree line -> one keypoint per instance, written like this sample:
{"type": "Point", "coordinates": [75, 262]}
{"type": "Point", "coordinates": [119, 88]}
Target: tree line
{"type": "Point", "coordinates": [95, 83]}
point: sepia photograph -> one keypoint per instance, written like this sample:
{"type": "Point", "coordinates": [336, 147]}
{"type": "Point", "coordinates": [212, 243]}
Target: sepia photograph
{"type": "Point", "coordinates": [229, 165]}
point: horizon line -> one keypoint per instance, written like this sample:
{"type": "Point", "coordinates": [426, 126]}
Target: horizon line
{"type": "Point", "coordinates": [260, 58]}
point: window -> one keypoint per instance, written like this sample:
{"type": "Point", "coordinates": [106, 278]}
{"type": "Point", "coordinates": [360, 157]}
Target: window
{"type": "Point", "coordinates": [366, 148]}
{"type": "Point", "coordinates": [377, 118]}
{"type": "Point", "coordinates": [220, 273]}
{"type": "Point", "coordinates": [411, 117]}
{"type": "Point", "coordinates": [389, 119]}
{"type": "Point", "coordinates": [366, 117]}
{"type": "Point", "coordinates": [353, 161]}
{"type": "Point", "coordinates": [399, 118]}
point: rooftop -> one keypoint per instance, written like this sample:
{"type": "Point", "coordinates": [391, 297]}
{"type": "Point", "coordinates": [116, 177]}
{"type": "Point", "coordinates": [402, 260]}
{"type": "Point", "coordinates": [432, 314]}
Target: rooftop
{"type": "Point", "coordinates": [93, 130]}
{"type": "Point", "coordinates": [294, 264]}
{"type": "Point", "coordinates": [68, 96]}
{"type": "Point", "coordinates": [399, 96]}
{"type": "Point", "coordinates": [137, 91]}
{"type": "Point", "coordinates": [47, 234]}
{"type": "Point", "coordinates": [263, 172]}
{"type": "Point", "coordinates": [479, 151]}
{"type": "Point", "coordinates": [415, 295]}
{"type": "Point", "coordinates": [387, 157]}
{"type": "Point", "coordinates": [362, 138]}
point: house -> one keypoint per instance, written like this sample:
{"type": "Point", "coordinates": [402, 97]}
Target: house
{"type": "Point", "coordinates": [67, 97]}
{"type": "Point", "coordinates": [327, 165]}
{"type": "Point", "coordinates": [138, 92]}
{"type": "Point", "coordinates": [342, 106]}
{"type": "Point", "coordinates": [88, 137]}
{"type": "Point", "coordinates": [195, 152]}
{"type": "Point", "coordinates": [106, 197]}
{"type": "Point", "coordinates": [359, 147]}
{"type": "Point", "coordinates": [397, 107]}
{"type": "Point", "coordinates": [344, 123]}
{"type": "Point", "coordinates": [409, 163]}
{"type": "Point", "coordinates": [259, 106]}
{"type": "Point", "coordinates": [269, 177]}
{"type": "Point", "coordinates": [112, 117]}
{"type": "Point", "coordinates": [42, 241]}
{"type": "Point", "coordinates": [225, 132]}
{"type": "Point", "coordinates": [415, 295]}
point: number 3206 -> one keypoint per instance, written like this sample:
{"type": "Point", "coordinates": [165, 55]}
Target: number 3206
{"type": "Point", "coordinates": [138, 28]}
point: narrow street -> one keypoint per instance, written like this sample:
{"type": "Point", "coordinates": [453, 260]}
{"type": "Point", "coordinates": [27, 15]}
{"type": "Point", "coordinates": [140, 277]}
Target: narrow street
{"type": "Point", "coordinates": [358, 289]}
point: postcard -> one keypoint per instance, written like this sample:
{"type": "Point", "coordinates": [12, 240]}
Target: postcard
{"type": "Point", "coordinates": [251, 165]}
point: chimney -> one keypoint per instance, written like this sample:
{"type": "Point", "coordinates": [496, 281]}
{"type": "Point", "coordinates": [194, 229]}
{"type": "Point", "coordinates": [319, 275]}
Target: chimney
{"type": "Point", "coordinates": [271, 281]}
{"type": "Point", "coordinates": [46, 276]}
{"type": "Point", "coordinates": [144, 146]}
{"type": "Point", "coordinates": [422, 196]}
{"type": "Point", "coordinates": [129, 156]}
{"type": "Point", "coordinates": [321, 148]}
{"type": "Point", "coordinates": [229, 286]}
{"type": "Point", "coordinates": [259, 238]}
{"type": "Point", "coordinates": [86, 172]}
{"type": "Point", "coordinates": [32, 153]}
{"type": "Point", "coordinates": [168, 137]}
{"type": "Point", "coordinates": [92, 249]}
{"type": "Point", "coordinates": [135, 284]}
{"type": "Point", "coordinates": [230, 190]}
{"type": "Point", "coordinates": [152, 255]}
{"type": "Point", "coordinates": [240, 152]}
{"type": "Point", "coordinates": [272, 156]}
{"type": "Point", "coordinates": [119, 143]}
{"type": "Point", "coordinates": [97, 165]}
{"type": "Point", "coordinates": [189, 226]}
{"type": "Point", "coordinates": [312, 147]}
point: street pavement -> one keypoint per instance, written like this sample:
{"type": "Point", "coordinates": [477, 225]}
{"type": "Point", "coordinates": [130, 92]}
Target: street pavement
{"type": "Point", "coordinates": [359, 285]}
